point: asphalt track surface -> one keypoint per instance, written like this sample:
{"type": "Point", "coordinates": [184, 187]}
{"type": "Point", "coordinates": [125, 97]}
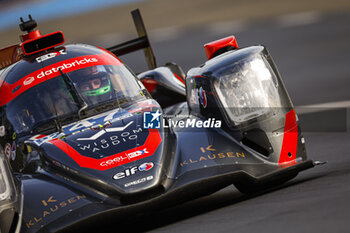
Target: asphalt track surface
{"type": "Point", "coordinates": [313, 56]}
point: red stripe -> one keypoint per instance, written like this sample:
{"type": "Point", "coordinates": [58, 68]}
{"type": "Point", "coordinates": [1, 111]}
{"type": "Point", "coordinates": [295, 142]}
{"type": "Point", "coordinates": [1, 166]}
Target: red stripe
{"type": "Point", "coordinates": [151, 143]}
{"type": "Point", "coordinates": [180, 79]}
{"type": "Point", "coordinates": [290, 139]}
{"type": "Point", "coordinates": [51, 71]}
{"type": "Point", "coordinates": [150, 84]}
{"type": "Point", "coordinates": [211, 47]}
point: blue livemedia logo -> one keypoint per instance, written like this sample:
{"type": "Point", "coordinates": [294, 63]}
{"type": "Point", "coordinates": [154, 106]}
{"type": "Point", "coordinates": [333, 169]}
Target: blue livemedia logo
{"type": "Point", "coordinates": [151, 120]}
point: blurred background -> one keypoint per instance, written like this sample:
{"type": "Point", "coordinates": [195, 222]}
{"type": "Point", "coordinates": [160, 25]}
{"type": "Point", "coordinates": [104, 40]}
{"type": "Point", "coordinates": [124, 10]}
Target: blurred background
{"type": "Point", "coordinates": [309, 40]}
{"type": "Point", "coordinates": [292, 30]}
{"type": "Point", "coordinates": [108, 22]}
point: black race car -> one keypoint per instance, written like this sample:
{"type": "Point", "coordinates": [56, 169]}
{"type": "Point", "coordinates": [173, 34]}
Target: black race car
{"type": "Point", "coordinates": [83, 139]}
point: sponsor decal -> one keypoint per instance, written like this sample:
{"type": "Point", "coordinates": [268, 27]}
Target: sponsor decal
{"type": "Point", "coordinates": [104, 120]}
{"type": "Point", "coordinates": [104, 145]}
{"type": "Point", "coordinates": [208, 153]}
{"type": "Point", "coordinates": [123, 158]}
{"type": "Point", "coordinates": [28, 81]}
{"type": "Point", "coordinates": [77, 127]}
{"type": "Point", "coordinates": [133, 170]}
{"type": "Point", "coordinates": [115, 161]}
{"type": "Point", "coordinates": [106, 130]}
{"type": "Point", "coordinates": [216, 156]}
{"type": "Point", "coordinates": [146, 166]}
{"type": "Point", "coordinates": [152, 142]}
{"type": "Point", "coordinates": [151, 120]}
{"type": "Point", "coordinates": [50, 55]}
{"type": "Point", "coordinates": [55, 70]}
{"type": "Point", "coordinates": [8, 150]}
{"type": "Point", "coordinates": [40, 139]}
{"type": "Point", "coordinates": [139, 181]}
{"type": "Point", "coordinates": [51, 207]}
{"type": "Point", "coordinates": [208, 148]}
{"type": "Point", "coordinates": [202, 97]}
{"type": "Point", "coordinates": [137, 153]}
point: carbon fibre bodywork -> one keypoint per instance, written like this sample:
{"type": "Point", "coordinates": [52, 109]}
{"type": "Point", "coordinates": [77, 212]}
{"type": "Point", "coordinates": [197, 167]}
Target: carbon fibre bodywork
{"type": "Point", "coordinates": [187, 164]}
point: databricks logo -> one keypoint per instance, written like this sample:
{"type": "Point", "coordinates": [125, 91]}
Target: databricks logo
{"type": "Point", "coordinates": [151, 120]}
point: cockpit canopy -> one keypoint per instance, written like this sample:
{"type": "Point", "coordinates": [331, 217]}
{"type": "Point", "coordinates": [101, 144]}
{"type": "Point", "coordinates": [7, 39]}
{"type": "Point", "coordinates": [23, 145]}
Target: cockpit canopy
{"type": "Point", "coordinates": [66, 83]}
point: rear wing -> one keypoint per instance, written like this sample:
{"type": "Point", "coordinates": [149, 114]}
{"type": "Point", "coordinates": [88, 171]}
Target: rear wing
{"type": "Point", "coordinates": [142, 42]}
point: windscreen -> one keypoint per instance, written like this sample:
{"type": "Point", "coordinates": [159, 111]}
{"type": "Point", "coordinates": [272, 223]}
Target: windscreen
{"type": "Point", "coordinates": [54, 101]}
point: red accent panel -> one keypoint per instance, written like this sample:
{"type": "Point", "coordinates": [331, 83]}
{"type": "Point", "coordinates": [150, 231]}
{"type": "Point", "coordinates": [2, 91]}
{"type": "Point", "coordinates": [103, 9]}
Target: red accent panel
{"type": "Point", "coordinates": [31, 35]}
{"type": "Point", "coordinates": [39, 76]}
{"type": "Point", "coordinates": [150, 84]}
{"type": "Point", "coordinates": [290, 139]}
{"type": "Point", "coordinates": [212, 47]}
{"type": "Point", "coordinates": [180, 79]}
{"type": "Point", "coordinates": [151, 144]}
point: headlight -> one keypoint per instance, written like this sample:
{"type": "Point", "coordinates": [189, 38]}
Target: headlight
{"type": "Point", "coordinates": [247, 89]}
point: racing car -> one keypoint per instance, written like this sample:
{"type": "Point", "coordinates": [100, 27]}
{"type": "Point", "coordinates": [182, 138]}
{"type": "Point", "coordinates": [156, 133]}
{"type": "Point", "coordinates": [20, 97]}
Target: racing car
{"type": "Point", "coordinates": [83, 138]}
